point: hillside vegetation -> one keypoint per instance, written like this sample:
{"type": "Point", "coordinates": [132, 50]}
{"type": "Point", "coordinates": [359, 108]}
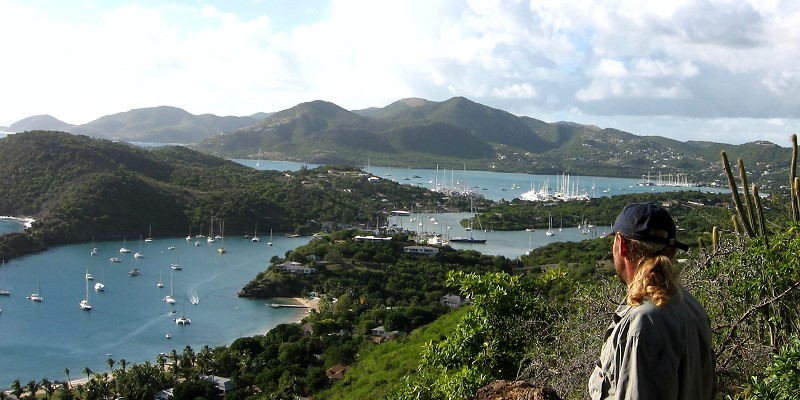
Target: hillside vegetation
{"type": "Point", "coordinates": [78, 188]}
{"type": "Point", "coordinates": [459, 133]}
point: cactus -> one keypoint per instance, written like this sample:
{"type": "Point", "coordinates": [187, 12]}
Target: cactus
{"type": "Point", "coordinates": [792, 182]}
{"type": "Point", "coordinates": [748, 200]}
{"type": "Point", "coordinates": [762, 222]}
{"type": "Point", "coordinates": [796, 193]}
{"type": "Point", "coordinates": [714, 239]}
{"type": "Point", "coordinates": [743, 220]}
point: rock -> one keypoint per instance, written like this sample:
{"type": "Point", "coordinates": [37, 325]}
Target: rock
{"type": "Point", "coordinates": [514, 390]}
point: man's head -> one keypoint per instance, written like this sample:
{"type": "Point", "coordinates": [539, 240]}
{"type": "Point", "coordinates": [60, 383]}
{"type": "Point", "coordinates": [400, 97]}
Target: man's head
{"type": "Point", "coordinates": [644, 244]}
{"type": "Point", "coordinates": [647, 222]}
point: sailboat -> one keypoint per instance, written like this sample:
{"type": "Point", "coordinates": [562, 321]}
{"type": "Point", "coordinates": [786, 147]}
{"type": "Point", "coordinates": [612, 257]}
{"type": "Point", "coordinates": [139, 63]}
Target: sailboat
{"type": "Point", "coordinates": [160, 283]}
{"type": "Point", "coordinates": [182, 320]}
{"type": "Point", "coordinates": [100, 286]}
{"type": "Point", "coordinates": [177, 266]}
{"type": "Point", "coordinates": [94, 249]}
{"type": "Point", "coordinates": [124, 249]}
{"type": "Point", "coordinates": [255, 235]}
{"type": "Point", "coordinates": [189, 236]}
{"type": "Point", "coordinates": [134, 271]}
{"type": "Point", "coordinates": [84, 304]}
{"type": "Point", "coordinates": [470, 239]}
{"type": "Point", "coordinates": [270, 238]}
{"type": "Point", "coordinates": [139, 253]}
{"type": "Point", "coordinates": [221, 249]}
{"type": "Point", "coordinates": [169, 298]}
{"type": "Point", "coordinates": [3, 290]}
{"type": "Point", "coordinates": [149, 237]}
{"type": "Point", "coordinates": [550, 227]}
{"type": "Point", "coordinates": [37, 297]}
{"type": "Point", "coordinates": [210, 238]}
{"type": "Point", "coordinates": [89, 276]}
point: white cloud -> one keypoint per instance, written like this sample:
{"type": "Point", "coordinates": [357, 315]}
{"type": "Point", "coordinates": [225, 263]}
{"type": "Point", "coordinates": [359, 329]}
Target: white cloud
{"type": "Point", "coordinates": [686, 60]}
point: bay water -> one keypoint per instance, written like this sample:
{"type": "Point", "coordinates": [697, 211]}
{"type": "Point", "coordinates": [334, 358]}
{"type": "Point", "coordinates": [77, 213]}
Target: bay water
{"type": "Point", "coordinates": [131, 320]}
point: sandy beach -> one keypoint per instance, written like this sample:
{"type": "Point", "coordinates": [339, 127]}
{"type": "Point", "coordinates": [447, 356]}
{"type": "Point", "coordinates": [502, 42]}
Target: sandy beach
{"type": "Point", "coordinates": [311, 304]}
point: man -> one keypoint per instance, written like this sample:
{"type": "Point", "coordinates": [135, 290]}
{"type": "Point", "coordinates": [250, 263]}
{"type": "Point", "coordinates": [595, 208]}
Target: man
{"type": "Point", "coordinates": [659, 343]}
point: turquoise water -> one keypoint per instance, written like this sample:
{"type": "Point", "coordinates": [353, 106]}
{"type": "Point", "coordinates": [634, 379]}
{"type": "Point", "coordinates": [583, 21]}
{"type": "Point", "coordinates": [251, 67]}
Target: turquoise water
{"type": "Point", "coordinates": [130, 319]}
{"type": "Point", "coordinates": [493, 185]}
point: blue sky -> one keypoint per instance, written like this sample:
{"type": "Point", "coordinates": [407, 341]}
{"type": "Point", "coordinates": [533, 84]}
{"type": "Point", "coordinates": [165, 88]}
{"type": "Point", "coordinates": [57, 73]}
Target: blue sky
{"type": "Point", "coordinates": [716, 70]}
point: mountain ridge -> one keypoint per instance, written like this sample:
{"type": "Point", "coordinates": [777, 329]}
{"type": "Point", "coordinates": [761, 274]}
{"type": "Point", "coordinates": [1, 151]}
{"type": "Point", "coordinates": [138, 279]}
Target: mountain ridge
{"type": "Point", "coordinates": [415, 132]}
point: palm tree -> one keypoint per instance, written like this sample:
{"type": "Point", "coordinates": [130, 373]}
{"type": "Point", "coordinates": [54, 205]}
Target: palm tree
{"type": "Point", "coordinates": [110, 363]}
{"type": "Point", "coordinates": [123, 363]}
{"type": "Point", "coordinates": [64, 392]}
{"type": "Point", "coordinates": [88, 372]}
{"type": "Point", "coordinates": [69, 382]}
{"type": "Point", "coordinates": [32, 387]}
{"type": "Point", "coordinates": [49, 387]}
{"type": "Point", "coordinates": [161, 360]}
{"type": "Point", "coordinates": [16, 388]}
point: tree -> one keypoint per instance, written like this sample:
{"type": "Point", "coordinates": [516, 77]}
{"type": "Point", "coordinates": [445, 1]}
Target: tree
{"type": "Point", "coordinates": [69, 381]}
{"type": "Point", "coordinates": [192, 389]}
{"type": "Point", "coordinates": [488, 343]}
{"type": "Point", "coordinates": [31, 387]}
{"type": "Point", "coordinates": [48, 386]}
{"type": "Point", "coordinates": [16, 388]}
{"type": "Point", "coordinates": [88, 372]}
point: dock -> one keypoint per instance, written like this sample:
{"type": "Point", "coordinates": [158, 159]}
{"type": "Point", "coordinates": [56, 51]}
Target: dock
{"type": "Point", "coordinates": [278, 305]}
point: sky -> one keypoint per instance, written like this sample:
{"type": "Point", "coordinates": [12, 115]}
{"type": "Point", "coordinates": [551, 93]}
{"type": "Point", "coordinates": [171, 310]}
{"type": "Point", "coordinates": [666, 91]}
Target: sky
{"type": "Point", "coordinates": [713, 70]}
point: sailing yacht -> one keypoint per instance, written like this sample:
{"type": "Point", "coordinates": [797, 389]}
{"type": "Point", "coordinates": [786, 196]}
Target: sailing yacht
{"type": "Point", "coordinates": [550, 228]}
{"type": "Point", "coordinates": [169, 298]}
{"type": "Point", "coordinates": [139, 253]}
{"type": "Point", "coordinates": [270, 238]}
{"type": "Point", "coordinates": [177, 266]}
{"type": "Point", "coordinates": [100, 286]}
{"type": "Point", "coordinates": [36, 296]}
{"type": "Point", "coordinates": [3, 290]}
{"type": "Point", "coordinates": [182, 320]}
{"type": "Point", "coordinates": [221, 249]}
{"type": "Point", "coordinates": [89, 276]}
{"type": "Point", "coordinates": [124, 249]}
{"type": "Point", "coordinates": [470, 239]}
{"type": "Point", "coordinates": [84, 304]}
{"type": "Point", "coordinates": [149, 237]}
{"type": "Point", "coordinates": [210, 238]}
{"type": "Point", "coordinates": [255, 235]}
{"type": "Point", "coordinates": [160, 283]}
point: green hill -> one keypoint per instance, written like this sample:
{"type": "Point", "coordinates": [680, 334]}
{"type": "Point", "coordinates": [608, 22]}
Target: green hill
{"type": "Point", "coordinates": [78, 188]}
{"type": "Point", "coordinates": [380, 367]}
{"type": "Point", "coordinates": [162, 124]}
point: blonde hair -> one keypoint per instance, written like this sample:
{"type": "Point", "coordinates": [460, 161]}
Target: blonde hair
{"type": "Point", "coordinates": [654, 278]}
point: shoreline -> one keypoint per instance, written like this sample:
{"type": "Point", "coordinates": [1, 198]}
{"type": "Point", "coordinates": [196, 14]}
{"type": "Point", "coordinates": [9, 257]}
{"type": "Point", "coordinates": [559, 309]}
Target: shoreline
{"type": "Point", "coordinates": [302, 302]}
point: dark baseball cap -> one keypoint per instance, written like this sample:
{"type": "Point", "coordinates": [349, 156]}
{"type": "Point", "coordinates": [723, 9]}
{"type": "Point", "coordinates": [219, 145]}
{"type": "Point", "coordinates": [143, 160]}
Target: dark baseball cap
{"type": "Point", "coordinates": [638, 219]}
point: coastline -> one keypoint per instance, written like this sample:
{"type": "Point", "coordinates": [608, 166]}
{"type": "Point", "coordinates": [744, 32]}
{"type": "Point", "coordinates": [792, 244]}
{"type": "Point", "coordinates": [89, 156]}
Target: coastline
{"type": "Point", "coordinates": [26, 221]}
{"type": "Point", "coordinates": [308, 304]}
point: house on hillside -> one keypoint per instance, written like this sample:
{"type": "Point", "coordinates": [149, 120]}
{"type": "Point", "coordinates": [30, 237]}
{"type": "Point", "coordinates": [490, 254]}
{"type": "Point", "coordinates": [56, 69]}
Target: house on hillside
{"type": "Point", "coordinates": [453, 300]}
{"type": "Point", "coordinates": [337, 371]}
{"type": "Point", "coordinates": [421, 250]}
{"type": "Point", "coordinates": [295, 267]}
